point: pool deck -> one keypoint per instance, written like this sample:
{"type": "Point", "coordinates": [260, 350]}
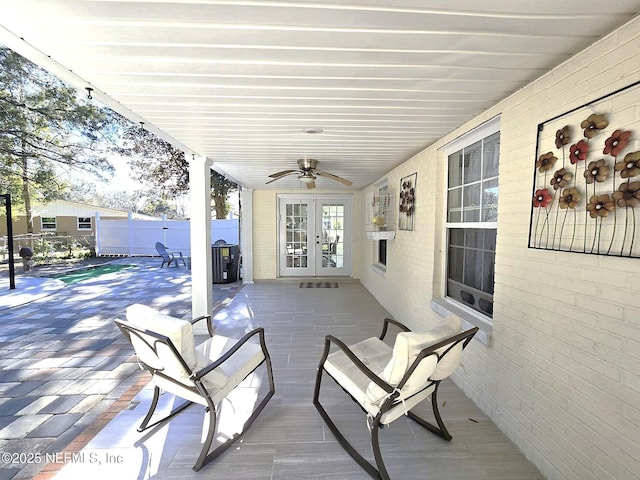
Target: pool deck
{"type": "Point", "coordinates": [28, 289]}
{"type": "Point", "coordinates": [65, 369]}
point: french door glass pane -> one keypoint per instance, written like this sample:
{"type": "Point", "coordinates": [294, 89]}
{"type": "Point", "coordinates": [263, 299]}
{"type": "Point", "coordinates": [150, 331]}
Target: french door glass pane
{"type": "Point", "coordinates": [296, 235]}
{"type": "Point", "coordinates": [332, 235]}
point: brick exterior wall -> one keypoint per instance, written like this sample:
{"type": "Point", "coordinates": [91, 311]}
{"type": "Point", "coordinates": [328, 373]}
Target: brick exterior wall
{"type": "Point", "coordinates": [561, 375]}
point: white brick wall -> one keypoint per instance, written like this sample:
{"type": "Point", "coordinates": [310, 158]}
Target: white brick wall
{"type": "Point", "coordinates": [562, 376]}
{"type": "Point", "coordinates": [265, 238]}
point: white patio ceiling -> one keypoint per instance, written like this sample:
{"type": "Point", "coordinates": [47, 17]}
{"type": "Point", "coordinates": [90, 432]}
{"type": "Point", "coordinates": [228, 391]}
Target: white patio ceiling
{"type": "Point", "coordinates": [240, 81]}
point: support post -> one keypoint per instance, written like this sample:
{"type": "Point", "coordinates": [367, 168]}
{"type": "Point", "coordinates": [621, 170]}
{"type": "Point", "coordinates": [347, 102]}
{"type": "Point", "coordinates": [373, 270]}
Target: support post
{"type": "Point", "coordinates": [97, 244]}
{"type": "Point", "coordinates": [130, 233]}
{"type": "Point", "coordinates": [246, 234]}
{"type": "Point", "coordinates": [12, 269]}
{"type": "Point", "coordinates": [200, 227]}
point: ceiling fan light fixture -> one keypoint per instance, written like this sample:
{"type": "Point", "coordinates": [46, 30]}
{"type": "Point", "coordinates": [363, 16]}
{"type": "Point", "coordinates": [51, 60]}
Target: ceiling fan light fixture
{"type": "Point", "coordinates": [306, 178]}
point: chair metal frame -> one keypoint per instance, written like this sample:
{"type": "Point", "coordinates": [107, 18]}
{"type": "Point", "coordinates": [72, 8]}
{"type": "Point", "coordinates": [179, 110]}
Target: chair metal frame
{"type": "Point", "coordinates": [379, 471]}
{"type": "Point", "coordinates": [169, 257]}
{"type": "Point", "coordinates": [198, 387]}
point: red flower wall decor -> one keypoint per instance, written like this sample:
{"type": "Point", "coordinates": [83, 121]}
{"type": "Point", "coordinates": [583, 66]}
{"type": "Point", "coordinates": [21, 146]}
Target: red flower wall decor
{"type": "Point", "coordinates": [586, 191]}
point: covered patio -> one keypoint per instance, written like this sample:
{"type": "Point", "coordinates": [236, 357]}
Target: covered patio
{"type": "Point", "coordinates": [497, 119]}
{"type": "Point", "coordinates": [73, 393]}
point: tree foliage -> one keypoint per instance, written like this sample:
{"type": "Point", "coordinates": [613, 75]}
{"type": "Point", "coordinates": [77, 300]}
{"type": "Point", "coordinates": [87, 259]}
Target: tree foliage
{"type": "Point", "coordinates": [87, 193]}
{"type": "Point", "coordinates": [42, 123]}
{"type": "Point", "coordinates": [165, 170]}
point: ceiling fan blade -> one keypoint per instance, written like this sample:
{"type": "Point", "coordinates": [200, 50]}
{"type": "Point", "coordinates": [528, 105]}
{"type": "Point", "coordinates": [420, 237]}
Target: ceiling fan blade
{"type": "Point", "coordinates": [310, 185]}
{"type": "Point", "coordinates": [282, 173]}
{"type": "Point", "coordinates": [333, 177]}
{"type": "Point", "coordinates": [281, 176]}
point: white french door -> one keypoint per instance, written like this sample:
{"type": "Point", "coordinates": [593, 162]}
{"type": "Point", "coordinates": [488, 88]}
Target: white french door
{"type": "Point", "coordinates": [314, 235]}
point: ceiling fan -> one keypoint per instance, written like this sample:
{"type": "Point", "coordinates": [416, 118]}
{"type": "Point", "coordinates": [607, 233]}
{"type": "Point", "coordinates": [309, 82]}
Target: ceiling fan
{"type": "Point", "coordinates": [307, 173]}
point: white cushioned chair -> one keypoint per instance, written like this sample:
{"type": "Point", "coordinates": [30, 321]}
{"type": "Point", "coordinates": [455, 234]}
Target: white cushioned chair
{"type": "Point", "coordinates": [205, 374]}
{"type": "Point", "coordinates": [387, 382]}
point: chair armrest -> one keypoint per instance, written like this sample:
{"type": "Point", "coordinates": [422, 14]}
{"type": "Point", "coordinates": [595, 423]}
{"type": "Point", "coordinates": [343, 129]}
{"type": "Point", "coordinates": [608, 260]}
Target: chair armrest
{"type": "Point", "coordinates": [212, 366]}
{"type": "Point", "coordinates": [329, 339]}
{"type": "Point", "coordinates": [203, 317]}
{"type": "Point", "coordinates": [385, 327]}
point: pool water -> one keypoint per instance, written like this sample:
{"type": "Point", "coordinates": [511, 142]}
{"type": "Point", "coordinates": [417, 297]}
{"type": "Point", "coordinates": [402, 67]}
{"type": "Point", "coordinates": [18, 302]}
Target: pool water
{"type": "Point", "coordinates": [88, 273]}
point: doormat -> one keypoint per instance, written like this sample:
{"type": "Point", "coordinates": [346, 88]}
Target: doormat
{"type": "Point", "coordinates": [318, 284]}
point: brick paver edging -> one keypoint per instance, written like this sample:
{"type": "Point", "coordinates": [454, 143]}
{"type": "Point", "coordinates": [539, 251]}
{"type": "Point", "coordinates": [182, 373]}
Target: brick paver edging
{"type": "Point", "coordinates": [122, 403]}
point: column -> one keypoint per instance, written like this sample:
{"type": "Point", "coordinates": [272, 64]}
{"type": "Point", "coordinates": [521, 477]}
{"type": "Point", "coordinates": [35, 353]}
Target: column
{"type": "Point", "coordinates": [246, 234]}
{"type": "Point", "coordinates": [200, 228]}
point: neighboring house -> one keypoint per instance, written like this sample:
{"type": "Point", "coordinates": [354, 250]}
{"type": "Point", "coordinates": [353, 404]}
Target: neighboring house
{"type": "Point", "coordinates": [64, 217]}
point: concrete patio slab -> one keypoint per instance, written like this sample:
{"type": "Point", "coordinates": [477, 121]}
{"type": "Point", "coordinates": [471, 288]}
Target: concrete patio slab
{"type": "Point", "coordinates": [27, 290]}
{"type": "Point", "coordinates": [63, 362]}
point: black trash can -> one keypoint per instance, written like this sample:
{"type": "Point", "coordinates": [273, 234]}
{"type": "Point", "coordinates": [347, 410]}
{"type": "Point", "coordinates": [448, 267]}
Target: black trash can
{"type": "Point", "coordinates": [225, 258]}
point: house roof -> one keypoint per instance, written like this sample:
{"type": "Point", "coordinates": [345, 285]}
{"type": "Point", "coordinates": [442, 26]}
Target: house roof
{"type": "Point", "coordinates": [75, 209]}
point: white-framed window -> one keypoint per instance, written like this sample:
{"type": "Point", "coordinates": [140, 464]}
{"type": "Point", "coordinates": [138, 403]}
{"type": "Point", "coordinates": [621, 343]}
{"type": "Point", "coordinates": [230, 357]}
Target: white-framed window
{"type": "Point", "coordinates": [48, 223]}
{"type": "Point", "coordinates": [84, 223]}
{"type": "Point", "coordinates": [472, 216]}
{"type": "Point", "coordinates": [382, 253]}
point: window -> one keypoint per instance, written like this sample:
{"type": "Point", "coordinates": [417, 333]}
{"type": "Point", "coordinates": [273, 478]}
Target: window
{"type": "Point", "coordinates": [48, 223]}
{"type": "Point", "coordinates": [84, 223]}
{"type": "Point", "coordinates": [382, 252]}
{"type": "Point", "coordinates": [472, 214]}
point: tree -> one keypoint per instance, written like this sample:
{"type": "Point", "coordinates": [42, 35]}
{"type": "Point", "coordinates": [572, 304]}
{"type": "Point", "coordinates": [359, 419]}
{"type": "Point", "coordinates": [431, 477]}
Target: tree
{"type": "Point", "coordinates": [221, 187]}
{"type": "Point", "coordinates": [42, 123]}
{"type": "Point", "coordinates": [120, 200]}
{"type": "Point", "coordinates": [165, 170]}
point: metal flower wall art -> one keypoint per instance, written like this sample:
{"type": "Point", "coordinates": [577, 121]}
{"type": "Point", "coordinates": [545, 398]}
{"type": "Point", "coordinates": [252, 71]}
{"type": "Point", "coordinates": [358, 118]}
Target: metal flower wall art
{"type": "Point", "coordinates": [587, 181]}
{"type": "Point", "coordinates": [407, 204]}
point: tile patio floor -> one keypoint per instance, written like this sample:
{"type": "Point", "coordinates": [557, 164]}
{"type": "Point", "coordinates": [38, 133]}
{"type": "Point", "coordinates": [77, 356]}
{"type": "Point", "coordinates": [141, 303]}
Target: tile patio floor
{"type": "Point", "coordinates": [71, 391]}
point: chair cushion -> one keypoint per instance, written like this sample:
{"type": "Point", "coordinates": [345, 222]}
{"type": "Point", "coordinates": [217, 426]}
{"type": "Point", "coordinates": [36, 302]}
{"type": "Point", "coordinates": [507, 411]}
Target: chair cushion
{"type": "Point", "coordinates": [222, 380]}
{"type": "Point", "coordinates": [373, 352]}
{"type": "Point", "coordinates": [409, 344]}
{"type": "Point", "coordinates": [405, 350]}
{"type": "Point", "coordinates": [179, 331]}
{"type": "Point", "coordinates": [235, 369]}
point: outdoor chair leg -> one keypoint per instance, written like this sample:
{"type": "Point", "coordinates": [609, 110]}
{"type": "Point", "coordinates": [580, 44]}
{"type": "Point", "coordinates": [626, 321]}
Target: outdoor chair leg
{"type": "Point", "coordinates": [205, 457]}
{"type": "Point", "coordinates": [377, 454]}
{"type": "Point", "coordinates": [154, 403]}
{"type": "Point", "coordinates": [441, 429]}
{"type": "Point", "coordinates": [360, 460]}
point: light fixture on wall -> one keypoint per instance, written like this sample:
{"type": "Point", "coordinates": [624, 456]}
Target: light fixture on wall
{"type": "Point", "coordinates": [89, 90]}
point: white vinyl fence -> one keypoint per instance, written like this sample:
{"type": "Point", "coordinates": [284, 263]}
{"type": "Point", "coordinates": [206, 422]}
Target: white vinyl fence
{"type": "Point", "coordinates": [138, 237]}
